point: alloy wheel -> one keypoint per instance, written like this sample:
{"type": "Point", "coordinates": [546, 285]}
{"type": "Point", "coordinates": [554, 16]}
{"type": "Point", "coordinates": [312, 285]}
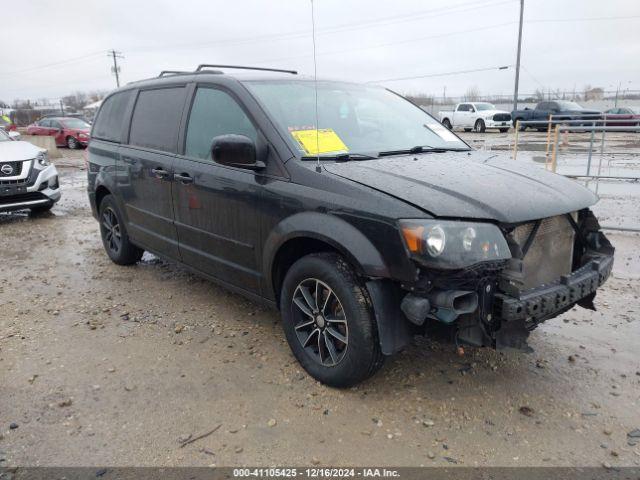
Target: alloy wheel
{"type": "Point", "coordinates": [320, 322]}
{"type": "Point", "coordinates": [72, 143]}
{"type": "Point", "coordinates": [111, 230]}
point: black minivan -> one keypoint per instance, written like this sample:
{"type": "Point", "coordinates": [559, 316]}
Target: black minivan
{"type": "Point", "coordinates": [347, 207]}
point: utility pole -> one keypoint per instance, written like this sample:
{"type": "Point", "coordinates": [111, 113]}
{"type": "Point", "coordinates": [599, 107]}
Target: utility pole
{"type": "Point", "coordinates": [515, 93]}
{"type": "Point", "coordinates": [116, 69]}
{"type": "Point", "coordinates": [61, 108]}
{"type": "Point", "coordinates": [617, 92]}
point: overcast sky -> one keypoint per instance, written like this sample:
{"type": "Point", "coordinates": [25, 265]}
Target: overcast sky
{"type": "Point", "coordinates": [53, 48]}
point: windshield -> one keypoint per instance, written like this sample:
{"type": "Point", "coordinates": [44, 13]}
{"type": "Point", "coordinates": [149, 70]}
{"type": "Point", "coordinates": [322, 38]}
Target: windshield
{"type": "Point", "coordinates": [4, 137]}
{"type": "Point", "coordinates": [564, 105]}
{"type": "Point", "coordinates": [484, 106]}
{"type": "Point", "coordinates": [352, 118]}
{"type": "Point", "coordinates": [76, 123]}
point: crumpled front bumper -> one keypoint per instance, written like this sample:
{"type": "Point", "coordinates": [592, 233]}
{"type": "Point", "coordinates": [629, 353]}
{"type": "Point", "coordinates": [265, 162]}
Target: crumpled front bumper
{"type": "Point", "coordinates": [537, 304]}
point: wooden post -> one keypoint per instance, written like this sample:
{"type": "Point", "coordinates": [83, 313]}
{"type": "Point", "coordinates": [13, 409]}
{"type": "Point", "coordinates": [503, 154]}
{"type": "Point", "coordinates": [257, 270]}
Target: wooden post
{"type": "Point", "coordinates": [548, 138]}
{"type": "Point", "coordinates": [554, 155]}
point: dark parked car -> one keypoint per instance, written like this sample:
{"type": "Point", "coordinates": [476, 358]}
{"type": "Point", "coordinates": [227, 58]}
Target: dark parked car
{"type": "Point", "coordinates": [560, 109]}
{"type": "Point", "coordinates": [67, 131]}
{"type": "Point", "coordinates": [378, 225]}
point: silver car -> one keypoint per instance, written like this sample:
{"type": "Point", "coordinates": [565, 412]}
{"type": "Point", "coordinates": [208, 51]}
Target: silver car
{"type": "Point", "coordinates": [27, 179]}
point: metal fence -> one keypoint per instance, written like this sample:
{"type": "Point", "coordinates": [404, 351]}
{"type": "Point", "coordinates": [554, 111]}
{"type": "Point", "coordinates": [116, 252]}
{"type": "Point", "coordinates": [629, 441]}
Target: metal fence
{"type": "Point", "coordinates": [600, 131]}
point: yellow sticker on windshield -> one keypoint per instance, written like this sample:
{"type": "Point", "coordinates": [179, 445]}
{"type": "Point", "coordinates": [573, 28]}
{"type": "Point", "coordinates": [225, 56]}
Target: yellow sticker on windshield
{"type": "Point", "coordinates": [315, 142]}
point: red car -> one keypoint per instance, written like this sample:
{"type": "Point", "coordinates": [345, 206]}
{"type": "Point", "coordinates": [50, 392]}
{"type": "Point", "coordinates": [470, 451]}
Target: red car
{"type": "Point", "coordinates": [632, 114]}
{"type": "Point", "coordinates": [67, 131]}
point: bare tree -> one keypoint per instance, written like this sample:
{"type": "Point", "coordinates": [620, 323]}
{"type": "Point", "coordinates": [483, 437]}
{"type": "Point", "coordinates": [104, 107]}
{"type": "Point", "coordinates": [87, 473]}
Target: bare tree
{"type": "Point", "coordinates": [75, 101]}
{"type": "Point", "coordinates": [472, 94]}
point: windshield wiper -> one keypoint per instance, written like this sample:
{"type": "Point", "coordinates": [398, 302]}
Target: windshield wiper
{"type": "Point", "coordinates": [421, 149]}
{"type": "Point", "coordinates": [341, 157]}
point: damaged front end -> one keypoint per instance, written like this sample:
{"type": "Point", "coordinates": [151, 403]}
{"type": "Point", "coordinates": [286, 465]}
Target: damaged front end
{"type": "Point", "coordinates": [555, 263]}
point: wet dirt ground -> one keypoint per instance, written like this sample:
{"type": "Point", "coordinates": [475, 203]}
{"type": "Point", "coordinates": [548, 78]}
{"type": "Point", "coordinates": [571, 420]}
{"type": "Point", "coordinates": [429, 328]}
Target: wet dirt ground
{"type": "Point", "coordinates": [121, 366]}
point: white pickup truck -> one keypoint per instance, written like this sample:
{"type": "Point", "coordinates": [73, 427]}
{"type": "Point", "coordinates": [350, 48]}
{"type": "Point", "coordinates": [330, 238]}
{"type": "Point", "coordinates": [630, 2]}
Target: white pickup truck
{"type": "Point", "coordinates": [477, 116]}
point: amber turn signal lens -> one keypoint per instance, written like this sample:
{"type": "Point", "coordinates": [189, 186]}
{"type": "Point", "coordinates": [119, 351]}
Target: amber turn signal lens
{"type": "Point", "coordinates": [413, 237]}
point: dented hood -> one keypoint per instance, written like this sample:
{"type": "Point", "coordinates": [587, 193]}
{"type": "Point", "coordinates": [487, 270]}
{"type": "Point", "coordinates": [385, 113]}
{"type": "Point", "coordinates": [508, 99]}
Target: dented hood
{"type": "Point", "coordinates": [473, 184]}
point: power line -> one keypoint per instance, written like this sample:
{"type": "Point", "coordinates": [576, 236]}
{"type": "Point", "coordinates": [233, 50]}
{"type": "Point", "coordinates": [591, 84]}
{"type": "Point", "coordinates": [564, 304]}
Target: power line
{"type": "Point", "coordinates": [431, 13]}
{"type": "Point", "coordinates": [442, 74]}
{"type": "Point", "coordinates": [591, 19]}
{"type": "Point", "coordinates": [54, 64]}
{"type": "Point", "coordinates": [388, 44]}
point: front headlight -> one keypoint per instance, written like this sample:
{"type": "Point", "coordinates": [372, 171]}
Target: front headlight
{"type": "Point", "coordinates": [453, 244]}
{"type": "Point", "coordinates": [42, 159]}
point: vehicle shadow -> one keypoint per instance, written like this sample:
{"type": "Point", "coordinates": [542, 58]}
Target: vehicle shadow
{"type": "Point", "coordinates": [23, 216]}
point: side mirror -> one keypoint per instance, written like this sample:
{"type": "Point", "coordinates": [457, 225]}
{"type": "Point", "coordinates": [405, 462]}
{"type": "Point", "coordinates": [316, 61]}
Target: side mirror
{"type": "Point", "coordinates": [235, 151]}
{"type": "Point", "coordinates": [15, 136]}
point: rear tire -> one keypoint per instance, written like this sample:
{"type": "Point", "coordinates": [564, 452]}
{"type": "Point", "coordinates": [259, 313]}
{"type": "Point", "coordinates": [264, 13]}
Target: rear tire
{"type": "Point", "coordinates": [447, 124]}
{"type": "Point", "coordinates": [328, 321]}
{"type": "Point", "coordinates": [114, 234]}
{"type": "Point", "coordinates": [480, 126]}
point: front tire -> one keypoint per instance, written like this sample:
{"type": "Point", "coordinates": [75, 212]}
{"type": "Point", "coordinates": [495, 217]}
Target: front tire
{"type": "Point", "coordinates": [447, 124]}
{"type": "Point", "coordinates": [72, 143]}
{"type": "Point", "coordinates": [114, 234]}
{"type": "Point", "coordinates": [328, 321]}
{"type": "Point", "coordinates": [479, 126]}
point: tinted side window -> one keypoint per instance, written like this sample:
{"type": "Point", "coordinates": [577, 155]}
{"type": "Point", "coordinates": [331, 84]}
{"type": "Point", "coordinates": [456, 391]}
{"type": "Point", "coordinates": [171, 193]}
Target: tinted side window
{"type": "Point", "coordinates": [156, 118]}
{"type": "Point", "coordinates": [44, 123]}
{"type": "Point", "coordinates": [214, 113]}
{"type": "Point", "coordinates": [463, 108]}
{"type": "Point", "coordinates": [108, 125]}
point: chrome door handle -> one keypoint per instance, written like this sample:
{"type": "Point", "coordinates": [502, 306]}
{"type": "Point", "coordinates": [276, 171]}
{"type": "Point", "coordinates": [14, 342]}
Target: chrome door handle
{"type": "Point", "coordinates": [183, 177]}
{"type": "Point", "coordinates": [160, 172]}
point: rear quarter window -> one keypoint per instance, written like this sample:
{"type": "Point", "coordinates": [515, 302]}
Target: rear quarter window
{"type": "Point", "coordinates": [111, 118]}
{"type": "Point", "coordinates": [156, 118]}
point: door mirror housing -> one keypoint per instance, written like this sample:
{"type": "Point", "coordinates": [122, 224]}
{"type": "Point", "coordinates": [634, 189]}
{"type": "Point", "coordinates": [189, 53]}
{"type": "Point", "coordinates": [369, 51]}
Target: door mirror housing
{"type": "Point", "coordinates": [235, 151]}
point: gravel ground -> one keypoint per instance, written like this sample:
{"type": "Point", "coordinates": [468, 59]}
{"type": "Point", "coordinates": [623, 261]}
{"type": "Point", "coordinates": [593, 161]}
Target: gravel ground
{"type": "Point", "coordinates": [121, 366]}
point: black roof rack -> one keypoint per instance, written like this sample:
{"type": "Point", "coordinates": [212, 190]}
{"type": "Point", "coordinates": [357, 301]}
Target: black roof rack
{"type": "Point", "coordinates": [166, 73]}
{"type": "Point", "coordinates": [202, 69]}
{"type": "Point", "coordinates": [238, 67]}
{"type": "Point", "coordinates": [172, 72]}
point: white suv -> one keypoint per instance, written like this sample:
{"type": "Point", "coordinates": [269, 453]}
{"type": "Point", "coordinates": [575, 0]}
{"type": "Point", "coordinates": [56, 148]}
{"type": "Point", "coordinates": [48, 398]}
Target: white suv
{"type": "Point", "coordinates": [27, 178]}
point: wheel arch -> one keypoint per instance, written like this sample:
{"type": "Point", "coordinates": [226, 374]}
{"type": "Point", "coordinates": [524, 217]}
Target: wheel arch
{"type": "Point", "coordinates": [101, 192]}
{"type": "Point", "coordinates": [312, 232]}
